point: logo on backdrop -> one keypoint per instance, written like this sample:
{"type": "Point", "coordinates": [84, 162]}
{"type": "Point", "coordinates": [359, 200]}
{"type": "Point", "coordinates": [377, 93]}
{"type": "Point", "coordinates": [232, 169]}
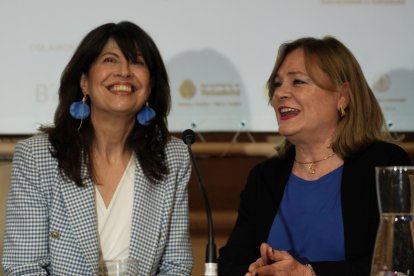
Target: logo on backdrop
{"type": "Point", "coordinates": [381, 83]}
{"type": "Point", "coordinates": [187, 89]}
{"type": "Point", "coordinates": [207, 91]}
{"type": "Point", "coordinates": [392, 90]}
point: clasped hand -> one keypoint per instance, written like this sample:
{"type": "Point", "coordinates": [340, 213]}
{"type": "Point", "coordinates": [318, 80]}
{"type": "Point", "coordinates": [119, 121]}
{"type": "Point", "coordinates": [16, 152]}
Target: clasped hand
{"type": "Point", "coordinates": [276, 262]}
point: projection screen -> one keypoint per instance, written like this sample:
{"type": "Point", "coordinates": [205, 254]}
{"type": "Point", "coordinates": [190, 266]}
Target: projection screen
{"type": "Point", "coordinates": [218, 54]}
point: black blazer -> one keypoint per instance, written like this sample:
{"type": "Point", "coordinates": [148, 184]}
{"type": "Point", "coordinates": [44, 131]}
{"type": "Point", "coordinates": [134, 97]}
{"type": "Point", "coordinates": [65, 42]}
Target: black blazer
{"type": "Point", "coordinates": [260, 199]}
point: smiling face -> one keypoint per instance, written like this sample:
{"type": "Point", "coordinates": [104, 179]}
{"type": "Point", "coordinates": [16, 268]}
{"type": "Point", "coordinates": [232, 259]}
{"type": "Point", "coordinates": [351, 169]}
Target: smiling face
{"type": "Point", "coordinates": [115, 85]}
{"type": "Point", "coordinates": [305, 112]}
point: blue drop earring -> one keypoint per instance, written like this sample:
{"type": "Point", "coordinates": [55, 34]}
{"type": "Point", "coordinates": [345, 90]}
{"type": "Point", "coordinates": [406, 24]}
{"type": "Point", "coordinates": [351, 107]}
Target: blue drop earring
{"type": "Point", "coordinates": [80, 110]}
{"type": "Point", "coordinates": [145, 115]}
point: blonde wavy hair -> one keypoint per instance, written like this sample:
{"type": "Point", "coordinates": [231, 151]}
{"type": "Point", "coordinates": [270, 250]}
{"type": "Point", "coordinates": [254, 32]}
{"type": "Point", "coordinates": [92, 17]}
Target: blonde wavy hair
{"type": "Point", "coordinates": [364, 121]}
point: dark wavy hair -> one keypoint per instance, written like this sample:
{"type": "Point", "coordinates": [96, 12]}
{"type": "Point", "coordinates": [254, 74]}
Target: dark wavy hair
{"type": "Point", "coordinates": [72, 147]}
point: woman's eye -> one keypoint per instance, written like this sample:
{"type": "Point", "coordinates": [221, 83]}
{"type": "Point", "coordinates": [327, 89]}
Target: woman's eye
{"type": "Point", "coordinates": [139, 61]}
{"type": "Point", "coordinates": [298, 82]}
{"type": "Point", "coordinates": [109, 60]}
{"type": "Point", "coordinates": [276, 84]}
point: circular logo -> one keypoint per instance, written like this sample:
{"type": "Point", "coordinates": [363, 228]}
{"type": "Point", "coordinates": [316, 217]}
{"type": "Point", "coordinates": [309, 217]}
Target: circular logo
{"type": "Point", "coordinates": [381, 83]}
{"type": "Point", "coordinates": [187, 89]}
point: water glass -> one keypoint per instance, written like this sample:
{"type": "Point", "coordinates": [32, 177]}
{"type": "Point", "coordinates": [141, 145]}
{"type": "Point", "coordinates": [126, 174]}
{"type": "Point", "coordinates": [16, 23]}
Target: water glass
{"type": "Point", "coordinates": [394, 246]}
{"type": "Point", "coordinates": [118, 267]}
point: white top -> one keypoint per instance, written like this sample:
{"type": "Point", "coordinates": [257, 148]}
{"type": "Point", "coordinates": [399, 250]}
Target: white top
{"type": "Point", "coordinates": [114, 222]}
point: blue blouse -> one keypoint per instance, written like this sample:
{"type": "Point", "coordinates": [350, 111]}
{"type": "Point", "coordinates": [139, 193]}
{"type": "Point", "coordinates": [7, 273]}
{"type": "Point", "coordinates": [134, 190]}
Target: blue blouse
{"type": "Point", "coordinates": [309, 222]}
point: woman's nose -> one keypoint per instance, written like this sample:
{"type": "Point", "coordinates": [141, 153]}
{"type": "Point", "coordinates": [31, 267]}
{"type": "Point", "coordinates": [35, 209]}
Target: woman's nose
{"type": "Point", "coordinates": [124, 70]}
{"type": "Point", "coordinates": [281, 93]}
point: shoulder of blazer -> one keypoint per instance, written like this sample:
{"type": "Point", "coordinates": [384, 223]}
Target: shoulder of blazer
{"type": "Point", "coordinates": [274, 169]}
{"type": "Point", "coordinates": [380, 154]}
{"type": "Point", "coordinates": [359, 170]}
{"type": "Point", "coordinates": [38, 144]}
{"type": "Point", "coordinates": [176, 151]}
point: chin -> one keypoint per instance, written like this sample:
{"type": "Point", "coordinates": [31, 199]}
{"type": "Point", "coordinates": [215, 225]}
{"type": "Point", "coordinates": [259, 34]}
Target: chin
{"type": "Point", "coordinates": [283, 131]}
{"type": "Point", "coordinates": [287, 132]}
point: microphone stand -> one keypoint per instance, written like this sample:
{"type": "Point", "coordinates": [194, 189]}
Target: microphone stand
{"type": "Point", "coordinates": [211, 257]}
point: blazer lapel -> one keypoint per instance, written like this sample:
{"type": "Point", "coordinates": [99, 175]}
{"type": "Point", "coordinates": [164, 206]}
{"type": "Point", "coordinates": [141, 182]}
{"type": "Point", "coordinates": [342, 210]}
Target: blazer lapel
{"type": "Point", "coordinates": [146, 220]}
{"type": "Point", "coordinates": [80, 204]}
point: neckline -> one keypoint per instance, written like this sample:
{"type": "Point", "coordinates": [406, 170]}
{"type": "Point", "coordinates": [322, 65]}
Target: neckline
{"type": "Point", "coordinates": [323, 177]}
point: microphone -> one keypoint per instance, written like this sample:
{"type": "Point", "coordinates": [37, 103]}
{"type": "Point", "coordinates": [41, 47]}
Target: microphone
{"type": "Point", "coordinates": [211, 257]}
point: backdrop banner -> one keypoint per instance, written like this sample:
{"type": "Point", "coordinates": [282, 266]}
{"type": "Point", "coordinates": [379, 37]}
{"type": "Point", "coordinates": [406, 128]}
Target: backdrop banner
{"type": "Point", "coordinates": [219, 54]}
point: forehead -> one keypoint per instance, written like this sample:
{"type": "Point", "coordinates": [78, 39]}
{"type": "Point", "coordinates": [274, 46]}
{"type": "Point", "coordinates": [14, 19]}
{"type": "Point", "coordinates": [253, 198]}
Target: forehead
{"type": "Point", "coordinates": [130, 52]}
{"type": "Point", "coordinates": [111, 45]}
{"type": "Point", "coordinates": [293, 62]}
{"type": "Point", "coordinates": [296, 63]}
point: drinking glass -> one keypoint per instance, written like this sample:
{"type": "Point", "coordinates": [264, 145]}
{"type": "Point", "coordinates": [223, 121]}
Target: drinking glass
{"type": "Point", "coordinates": [118, 267]}
{"type": "Point", "coordinates": [394, 246]}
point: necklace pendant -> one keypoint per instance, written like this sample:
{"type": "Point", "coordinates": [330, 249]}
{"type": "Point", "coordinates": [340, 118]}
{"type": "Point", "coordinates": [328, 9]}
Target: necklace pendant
{"type": "Point", "coordinates": [311, 168]}
{"type": "Point", "coordinates": [311, 165]}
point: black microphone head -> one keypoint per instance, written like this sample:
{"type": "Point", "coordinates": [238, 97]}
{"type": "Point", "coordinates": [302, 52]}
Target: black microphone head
{"type": "Point", "coordinates": [188, 136]}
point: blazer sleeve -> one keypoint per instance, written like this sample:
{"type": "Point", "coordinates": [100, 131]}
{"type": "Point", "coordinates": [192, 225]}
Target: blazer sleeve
{"type": "Point", "coordinates": [177, 258]}
{"type": "Point", "coordinates": [26, 229]}
{"type": "Point", "coordinates": [259, 201]}
{"type": "Point", "coordinates": [241, 249]}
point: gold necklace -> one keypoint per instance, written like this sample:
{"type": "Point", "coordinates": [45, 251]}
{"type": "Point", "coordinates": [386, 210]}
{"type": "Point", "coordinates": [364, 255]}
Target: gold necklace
{"type": "Point", "coordinates": [311, 165]}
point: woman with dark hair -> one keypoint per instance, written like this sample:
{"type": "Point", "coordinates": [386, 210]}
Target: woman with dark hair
{"type": "Point", "coordinates": [313, 210]}
{"type": "Point", "coordinates": [107, 181]}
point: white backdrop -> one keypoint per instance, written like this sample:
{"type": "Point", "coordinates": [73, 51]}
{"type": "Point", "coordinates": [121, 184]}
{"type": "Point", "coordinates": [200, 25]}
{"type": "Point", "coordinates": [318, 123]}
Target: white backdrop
{"type": "Point", "coordinates": [219, 53]}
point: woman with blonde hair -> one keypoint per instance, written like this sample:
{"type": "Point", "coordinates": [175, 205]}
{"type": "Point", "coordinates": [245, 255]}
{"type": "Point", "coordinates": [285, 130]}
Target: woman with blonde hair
{"type": "Point", "coordinates": [312, 210]}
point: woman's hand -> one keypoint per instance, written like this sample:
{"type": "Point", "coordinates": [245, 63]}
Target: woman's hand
{"type": "Point", "coordinates": [276, 262]}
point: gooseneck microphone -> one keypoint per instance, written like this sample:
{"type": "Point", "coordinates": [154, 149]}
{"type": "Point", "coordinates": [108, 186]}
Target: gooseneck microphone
{"type": "Point", "coordinates": [211, 257]}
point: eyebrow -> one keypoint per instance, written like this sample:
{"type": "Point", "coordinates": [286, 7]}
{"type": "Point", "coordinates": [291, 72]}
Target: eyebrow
{"type": "Point", "coordinates": [294, 73]}
{"type": "Point", "coordinates": [109, 53]}
{"type": "Point", "coordinates": [297, 73]}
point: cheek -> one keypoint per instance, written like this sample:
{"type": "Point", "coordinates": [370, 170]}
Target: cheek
{"type": "Point", "coordinates": [142, 74]}
{"type": "Point", "coordinates": [326, 111]}
{"type": "Point", "coordinates": [102, 75]}
{"type": "Point", "coordinates": [274, 101]}
{"type": "Point", "coordinates": [99, 74]}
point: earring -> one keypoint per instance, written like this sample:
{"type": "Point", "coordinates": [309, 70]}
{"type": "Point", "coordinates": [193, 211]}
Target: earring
{"type": "Point", "coordinates": [80, 110]}
{"type": "Point", "coordinates": [145, 115]}
{"type": "Point", "coordinates": [342, 112]}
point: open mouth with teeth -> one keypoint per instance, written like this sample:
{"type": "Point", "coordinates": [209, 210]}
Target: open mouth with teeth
{"type": "Point", "coordinates": [288, 112]}
{"type": "Point", "coordinates": [122, 88]}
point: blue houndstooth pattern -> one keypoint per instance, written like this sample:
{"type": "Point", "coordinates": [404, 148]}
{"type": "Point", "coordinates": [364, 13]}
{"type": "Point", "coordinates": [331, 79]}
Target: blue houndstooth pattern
{"type": "Point", "coordinates": [51, 223]}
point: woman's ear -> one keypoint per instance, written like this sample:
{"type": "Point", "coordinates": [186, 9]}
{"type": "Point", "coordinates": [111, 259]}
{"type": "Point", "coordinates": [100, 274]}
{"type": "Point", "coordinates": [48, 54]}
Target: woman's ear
{"type": "Point", "coordinates": [83, 83]}
{"type": "Point", "coordinates": [344, 94]}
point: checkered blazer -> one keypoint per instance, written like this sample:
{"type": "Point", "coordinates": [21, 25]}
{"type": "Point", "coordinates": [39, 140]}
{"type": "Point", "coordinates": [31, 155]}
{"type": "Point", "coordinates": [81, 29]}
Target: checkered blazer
{"type": "Point", "coordinates": [51, 224]}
